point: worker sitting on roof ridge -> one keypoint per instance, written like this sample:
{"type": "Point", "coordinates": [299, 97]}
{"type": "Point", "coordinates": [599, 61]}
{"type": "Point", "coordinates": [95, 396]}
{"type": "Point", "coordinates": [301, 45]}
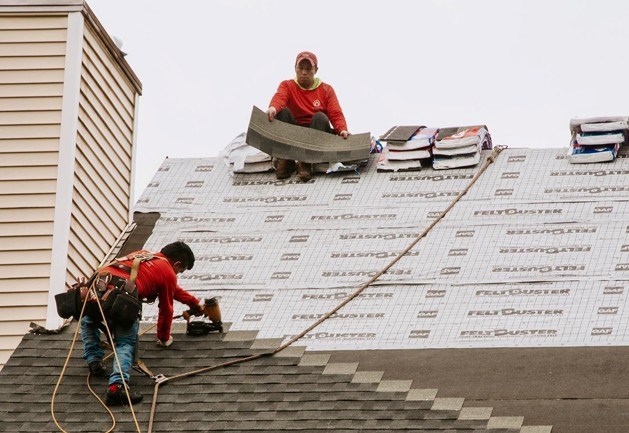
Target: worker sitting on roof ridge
{"type": "Point", "coordinates": [306, 101]}
{"type": "Point", "coordinates": [156, 279]}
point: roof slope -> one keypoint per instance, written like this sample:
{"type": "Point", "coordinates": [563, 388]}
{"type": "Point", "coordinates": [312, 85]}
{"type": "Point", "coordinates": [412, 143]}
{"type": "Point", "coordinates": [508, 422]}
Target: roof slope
{"type": "Point", "coordinates": [291, 391]}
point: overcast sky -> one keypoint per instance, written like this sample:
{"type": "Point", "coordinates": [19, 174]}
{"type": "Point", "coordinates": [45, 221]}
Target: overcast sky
{"type": "Point", "coordinates": [523, 68]}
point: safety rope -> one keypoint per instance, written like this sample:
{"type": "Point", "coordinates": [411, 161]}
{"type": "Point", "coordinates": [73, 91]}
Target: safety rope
{"type": "Point", "coordinates": [490, 159]}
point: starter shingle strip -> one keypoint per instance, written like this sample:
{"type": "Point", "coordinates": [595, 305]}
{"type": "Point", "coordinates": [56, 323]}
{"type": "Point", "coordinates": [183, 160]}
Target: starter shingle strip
{"type": "Point", "coordinates": [341, 368]}
{"type": "Point", "coordinates": [421, 394]}
{"type": "Point", "coordinates": [454, 404]}
{"type": "Point", "coordinates": [314, 360]}
{"type": "Point", "coordinates": [473, 413]}
{"type": "Point", "coordinates": [536, 429]}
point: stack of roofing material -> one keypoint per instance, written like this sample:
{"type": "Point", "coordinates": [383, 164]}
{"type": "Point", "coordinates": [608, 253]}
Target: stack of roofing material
{"type": "Point", "coordinates": [597, 139]}
{"type": "Point", "coordinates": [460, 146]}
{"type": "Point", "coordinates": [407, 147]}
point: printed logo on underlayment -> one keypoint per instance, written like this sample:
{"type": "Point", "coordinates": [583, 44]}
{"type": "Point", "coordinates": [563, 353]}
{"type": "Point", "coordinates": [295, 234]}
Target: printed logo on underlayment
{"type": "Point", "coordinates": [164, 168]}
{"type": "Point", "coordinates": [342, 197]}
{"type": "Point", "coordinates": [603, 209]}
{"type": "Point", "coordinates": [382, 236]}
{"type": "Point", "coordinates": [450, 270]}
{"type": "Point", "coordinates": [266, 199]}
{"type": "Point", "coordinates": [343, 316]}
{"type": "Point", "coordinates": [539, 269]}
{"type": "Point", "coordinates": [458, 252]}
{"type": "Point", "coordinates": [595, 173]}
{"type": "Point", "coordinates": [624, 249]}
{"type": "Point", "coordinates": [263, 297]}
{"type": "Point", "coordinates": [184, 200]}
{"type": "Point", "coordinates": [431, 177]}
{"type": "Point", "coordinates": [153, 185]}
{"type": "Point", "coordinates": [211, 277]}
{"type": "Point", "coordinates": [344, 295]}
{"type": "Point", "coordinates": [351, 179]}
{"type": "Point", "coordinates": [189, 219]}
{"type": "Point", "coordinates": [204, 168]}
{"type": "Point", "coordinates": [503, 192]}
{"type": "Point", "coordinates": [290, 256]}
{"type": "Point", "coordinates": [144, 200]}
{"type": "Point", "coordinates": [510, 175]}
{"type": "Point", "coordinates": [613, 290]}
{"type": "Point", "coordinates": [509, 333]}
{"type": "Point", "coordinates": [557, 231]}
{"type": "Point", "coordinates": [522, 292]}
{"type": "Point", "coordinates": [517, 158]}
{"type": "Point", "coordinates": [338, 336]}
{"type": "Point", "coordinates": [396, 272]}
{"type": "Point", "coordinates": [223, 240]}
{"type": "Point", "coordinates": [427, 314]}
{"type": "Point", "coordinates": [419, 333]}
{"type": "Point", "coordinates": [517, 212]}
{"type": "Point", "coordinates": [420, 194]}
{"type": "Point", "coordinates": [266, 182]}
{"type": "Point", "coordinates": [371, 254]}
{"type": "Point", "coordinates": [465, 233]}
{"type": "Point", "coordinates": [433, 214]}
{"type": "Point", "coordinates": [194, 184]}
{"type": "Point", "coordinates": [608, 310]}
{"type": "Point", "coordinates": [252, 317]}
{"type": "Point", "coordinates": [544, 250]}
{"type": "Point", "coordinates": [280, 275]}
{"type": "Point", "coordinates": [225, 258]}
{"type": "Point", "coordinates": [354, 217]}
{"type": "Point", "coordinates": [299, 238]}
{"type": "Point", "coordinates": [515, 312]}
{"type": "Point", "coordinates": [627, 229]}
{"type": "Point", "coordinates": [435, 293]}
{"type": "Point", "coordinates": [602, 331]}
{"type": "Point", "coordinates": [622, 267]}
{"type": "Point", "coordinates": [590, 190]}
{"type": "Point", "coordinates": [274, 219]}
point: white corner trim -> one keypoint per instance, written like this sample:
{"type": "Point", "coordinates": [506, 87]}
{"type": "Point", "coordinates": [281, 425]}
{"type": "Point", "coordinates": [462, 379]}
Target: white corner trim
{"type": "Point", "coordinates": [67, 156]}
{"type": "Point", "coordinates": [134, 152]}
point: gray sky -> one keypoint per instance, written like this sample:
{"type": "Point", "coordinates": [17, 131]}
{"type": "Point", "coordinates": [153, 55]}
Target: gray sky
{"type": "Point", "coordinates": [522, 67]}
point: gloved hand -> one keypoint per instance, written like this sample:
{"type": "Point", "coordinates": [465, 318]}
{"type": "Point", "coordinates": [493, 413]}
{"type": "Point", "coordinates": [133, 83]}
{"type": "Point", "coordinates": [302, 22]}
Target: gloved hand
{"type": "Point", "coordinates": [161, 343]}
{"type": "Point", "coordinates": [344, 134]}
{"type": "Point", "coordinates": [271, 112]}
{"type": "Point", "coordinates": [196, 310]}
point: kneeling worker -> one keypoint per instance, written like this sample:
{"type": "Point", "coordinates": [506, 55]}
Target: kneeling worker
{"type": "Point", "coordinates": [306, 101]}
{"type": "Point", "coordinates": [156, 279]}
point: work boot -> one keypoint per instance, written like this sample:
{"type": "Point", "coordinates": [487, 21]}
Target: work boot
{"type": "Point", "coordinates": [304, 171]}
{"type": "Point", "coordinates": [284, 168]}
{"type": "Point", "coordinates": [116, 396]}
{"type": "Point", "coordinates": [97, 368]}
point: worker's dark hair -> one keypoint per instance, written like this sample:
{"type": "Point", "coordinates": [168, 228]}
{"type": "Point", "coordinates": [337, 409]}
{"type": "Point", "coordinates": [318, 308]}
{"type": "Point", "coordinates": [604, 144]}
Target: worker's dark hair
{"type": "Point", "coordinates": [179, 252]}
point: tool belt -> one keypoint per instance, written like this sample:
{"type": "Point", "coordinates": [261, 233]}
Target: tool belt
{"type": "Point", "coordinates": [117, 296]}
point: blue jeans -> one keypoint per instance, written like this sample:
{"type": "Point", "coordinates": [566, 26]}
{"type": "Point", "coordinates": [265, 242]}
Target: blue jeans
{"type": "Point", "coordinates": [125, 340]}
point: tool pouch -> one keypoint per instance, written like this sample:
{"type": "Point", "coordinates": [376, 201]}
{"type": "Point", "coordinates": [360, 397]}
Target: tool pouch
{"type": "Point", "coordinates": [69, 303]}
{"type": "Point", "coordinates": [124, 308]}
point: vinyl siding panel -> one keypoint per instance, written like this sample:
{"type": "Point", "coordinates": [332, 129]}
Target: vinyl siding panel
{"type": "Point", "coordinates": [102, 189]}
{"type": "Point", "coordinates": [32, 61]}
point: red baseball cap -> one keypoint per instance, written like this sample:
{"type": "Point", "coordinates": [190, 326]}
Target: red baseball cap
{"type": "Point", "coordinates": [306, 55]}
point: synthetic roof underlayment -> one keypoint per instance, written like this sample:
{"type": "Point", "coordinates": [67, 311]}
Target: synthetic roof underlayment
{"type": "Point", "coordinates": [536, 253]}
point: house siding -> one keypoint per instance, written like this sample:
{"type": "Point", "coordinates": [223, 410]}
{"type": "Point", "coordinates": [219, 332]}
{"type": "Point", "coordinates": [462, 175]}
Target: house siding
{"type": "Point", "coordinates": [32, 58]}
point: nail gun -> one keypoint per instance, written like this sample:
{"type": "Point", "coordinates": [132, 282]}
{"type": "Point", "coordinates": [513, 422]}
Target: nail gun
{"type": "Point", "coordinates": [210, 321]}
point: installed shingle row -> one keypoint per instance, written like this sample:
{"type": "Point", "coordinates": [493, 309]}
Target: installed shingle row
{"type": "Point", "coordinates": [291, 391]}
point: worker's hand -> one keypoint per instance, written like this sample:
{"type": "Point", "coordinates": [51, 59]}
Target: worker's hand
{"type": "Point", "coordinates": [167, 343]}
{"type": "Point", "coordinates": [271, 112]}
{"type": "Point", "coordinates": [196, 310]}
{"type": "Point", "coordinates": [344, 134]}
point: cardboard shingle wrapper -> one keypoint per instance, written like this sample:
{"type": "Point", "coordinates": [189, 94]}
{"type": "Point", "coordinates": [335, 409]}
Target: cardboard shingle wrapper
{"type": "Point", "coordinates": [286, 141]}
{"type": "Point", "coordinates": [460, 146]}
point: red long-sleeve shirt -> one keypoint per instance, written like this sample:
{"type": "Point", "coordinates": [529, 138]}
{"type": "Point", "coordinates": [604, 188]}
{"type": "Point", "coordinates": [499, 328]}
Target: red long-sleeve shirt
{"type": "Point", "coordinates": [304, 103]}
{"type": "Point", "coordinates": [157, 280]}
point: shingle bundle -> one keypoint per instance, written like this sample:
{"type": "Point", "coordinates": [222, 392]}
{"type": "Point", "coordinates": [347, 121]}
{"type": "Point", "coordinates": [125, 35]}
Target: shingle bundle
{"type": "Point", "coordinates": [597, 139]}
{"type": "Point", "coordinates": [408, 148]}
{"type": "Point", "coordinates": [460, 146]}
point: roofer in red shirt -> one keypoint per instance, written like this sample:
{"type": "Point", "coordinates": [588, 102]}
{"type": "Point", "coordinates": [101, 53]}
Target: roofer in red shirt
{"type": "Point", "coordinates": [306, 101]}
{"type": "Point", "coordinates": [155, 278]}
